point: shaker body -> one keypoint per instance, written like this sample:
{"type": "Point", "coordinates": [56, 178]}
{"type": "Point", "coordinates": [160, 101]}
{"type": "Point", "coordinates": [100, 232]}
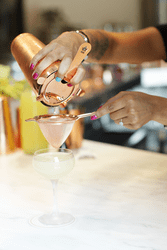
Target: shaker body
{"type": "Point", "coordinates": [24, 47]}
{"type": "Point", "coordinates": [51, 93]}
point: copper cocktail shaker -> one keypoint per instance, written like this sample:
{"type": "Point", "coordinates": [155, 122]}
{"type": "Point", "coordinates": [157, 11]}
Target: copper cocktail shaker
{"type": "Point", "coordinates": [51, 93]}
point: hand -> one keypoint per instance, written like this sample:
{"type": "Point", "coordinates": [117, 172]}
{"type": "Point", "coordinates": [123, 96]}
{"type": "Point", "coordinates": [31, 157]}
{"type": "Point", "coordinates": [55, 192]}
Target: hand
{"type": "Point", "coordinates": [63, 48]}
{"type": "Point", "coordinates": [134, 109]}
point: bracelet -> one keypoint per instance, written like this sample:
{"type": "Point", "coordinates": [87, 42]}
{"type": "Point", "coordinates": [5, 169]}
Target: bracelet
{"type": "Point", "coordinates": [85, 37]}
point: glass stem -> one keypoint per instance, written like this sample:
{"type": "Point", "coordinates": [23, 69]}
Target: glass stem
{"type": "Point", "coordinates": [55, 203]}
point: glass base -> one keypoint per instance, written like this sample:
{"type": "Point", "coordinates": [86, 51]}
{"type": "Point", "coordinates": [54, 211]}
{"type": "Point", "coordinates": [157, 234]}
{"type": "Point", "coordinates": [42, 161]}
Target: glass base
{"type": "Point", "coordinates": [52, 220]}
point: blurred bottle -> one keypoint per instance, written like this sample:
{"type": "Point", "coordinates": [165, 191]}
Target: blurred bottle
{"type": "Point", "coordinates": [7, 130]}
{"type": "Point", "coordinates": [32, 138]}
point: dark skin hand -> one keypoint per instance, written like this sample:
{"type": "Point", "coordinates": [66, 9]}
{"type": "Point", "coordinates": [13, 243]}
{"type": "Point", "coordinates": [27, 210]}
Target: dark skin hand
{"type": "Point", "coordinates": [135, 109]}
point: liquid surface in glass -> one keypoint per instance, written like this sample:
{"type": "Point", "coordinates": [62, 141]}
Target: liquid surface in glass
{"type": "Point", "coordinates": [53, 165]}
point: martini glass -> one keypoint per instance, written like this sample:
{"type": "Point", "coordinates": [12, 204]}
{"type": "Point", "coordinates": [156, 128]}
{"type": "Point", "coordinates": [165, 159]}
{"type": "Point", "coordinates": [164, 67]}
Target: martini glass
{"type": "Point", "coordinates": [53, 164]}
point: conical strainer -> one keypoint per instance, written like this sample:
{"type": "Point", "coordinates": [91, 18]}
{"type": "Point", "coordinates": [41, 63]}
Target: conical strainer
{"type": "Point", "coordinates": [56, 128]}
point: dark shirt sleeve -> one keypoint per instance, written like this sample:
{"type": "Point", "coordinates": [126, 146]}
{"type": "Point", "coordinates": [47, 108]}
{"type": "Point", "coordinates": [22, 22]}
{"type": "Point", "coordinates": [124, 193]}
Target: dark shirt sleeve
{"type": "Point", "coordinates": [163, 30]}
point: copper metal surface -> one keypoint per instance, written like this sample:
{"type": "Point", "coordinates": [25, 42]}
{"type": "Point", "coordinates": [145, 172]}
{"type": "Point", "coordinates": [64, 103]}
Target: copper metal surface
{"type": "Point", "coordinates": [24, 47]}
{"type": "Point", "coordinates": [52, 93]}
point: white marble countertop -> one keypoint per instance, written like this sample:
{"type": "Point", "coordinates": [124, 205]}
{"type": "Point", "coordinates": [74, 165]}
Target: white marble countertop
{"type": "Point", "coordinates": [119, 200]}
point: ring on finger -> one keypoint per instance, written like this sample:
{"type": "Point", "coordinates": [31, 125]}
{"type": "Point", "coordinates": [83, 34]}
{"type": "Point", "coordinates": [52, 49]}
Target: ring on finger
{"type": "Point", "coordinates": [121, 123]}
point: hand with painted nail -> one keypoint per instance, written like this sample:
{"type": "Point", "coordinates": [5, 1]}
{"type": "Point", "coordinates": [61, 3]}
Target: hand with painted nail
{"type": "Point", "coordinates": [145, 45]}
{"type": "Point", "coordinates": [63, 48]}
{"type": "Point", "coordinates": [134, 109]}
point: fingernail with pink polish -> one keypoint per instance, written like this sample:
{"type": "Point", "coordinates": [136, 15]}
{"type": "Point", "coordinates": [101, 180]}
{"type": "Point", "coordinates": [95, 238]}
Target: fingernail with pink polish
{"type": "Point", "coordinates": [100, 106]}
{"type": "Point", "coordinates": [69, 85]}
{"type": "Point", "coordinates": [35, 75]}
{"type": "Point", "coordinates": [32, 66]}
{"type": "Point", "coordinates": [93, 117]}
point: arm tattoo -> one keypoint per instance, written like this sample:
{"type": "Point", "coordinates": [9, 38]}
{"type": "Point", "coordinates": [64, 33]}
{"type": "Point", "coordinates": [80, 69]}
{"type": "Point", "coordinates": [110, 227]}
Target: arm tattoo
{"type": "Point", "coordinates": [100, 44]}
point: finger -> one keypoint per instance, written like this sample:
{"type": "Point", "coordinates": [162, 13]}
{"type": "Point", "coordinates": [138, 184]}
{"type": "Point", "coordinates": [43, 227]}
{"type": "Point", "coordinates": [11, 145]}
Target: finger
{"type": "Point", "coordinates": [47, 61]}
{"type": "Point", "coordinates": [41, 54]}
{"type": "Point", "coordinates": [132, 127]}
{"type": "Point", "coordinates": [117, 115]}
{"type": "Point", "coordinates": [130, 120]}
{"type": "Point", "coordinates": [128, 124]}
{"type": "Point", "coordinates": [123, 113]}
{"type": "Point", "coordinates": [79, 75]}
{"type": "Point", "coordinates": [124, 120]}
{"type": "Point", "coordinates": [112, 105]}
{"type": "Point", "coordinates": [64, 66]}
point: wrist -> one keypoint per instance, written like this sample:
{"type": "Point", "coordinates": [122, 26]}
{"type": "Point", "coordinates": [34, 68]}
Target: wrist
{"type": "Point", "coordinates": [160, 110]}
{"type": "Point", "coordinates": [79, 39]}
{"type": "Point", "coordinates": [83, 35]}
{"type": "Point", "coordinates": [84, 38]}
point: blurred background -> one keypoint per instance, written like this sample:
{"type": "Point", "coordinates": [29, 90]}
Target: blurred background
{"type": "Point", "coordinates": [48, 19]}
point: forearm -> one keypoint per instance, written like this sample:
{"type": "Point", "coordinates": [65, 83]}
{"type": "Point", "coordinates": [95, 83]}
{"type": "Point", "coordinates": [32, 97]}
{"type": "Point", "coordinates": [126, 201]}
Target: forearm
{"type": "Point", "coordinates": [160, 109]}
{"type": "Point", "coordinates": [134, 47]}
